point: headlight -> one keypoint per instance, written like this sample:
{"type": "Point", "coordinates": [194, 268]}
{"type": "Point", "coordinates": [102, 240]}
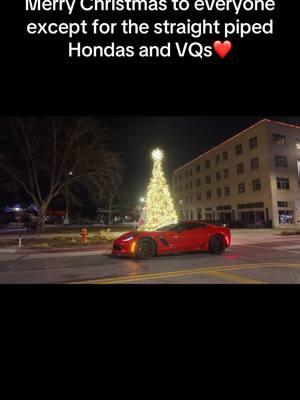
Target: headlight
{"type": "Point", "coordinates": [127, 239]}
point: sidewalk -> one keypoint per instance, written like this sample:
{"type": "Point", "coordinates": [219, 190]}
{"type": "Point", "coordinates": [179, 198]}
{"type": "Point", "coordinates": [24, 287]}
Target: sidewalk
{"type": "Point", "coordinates": [22, 251]}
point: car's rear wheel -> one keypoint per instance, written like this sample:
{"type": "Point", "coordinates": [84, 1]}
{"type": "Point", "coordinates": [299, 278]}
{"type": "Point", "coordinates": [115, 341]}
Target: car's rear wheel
{"type": "Point", "coordinates": [145, 249]}
{"type": "Point", "coordinates": [217, 244]}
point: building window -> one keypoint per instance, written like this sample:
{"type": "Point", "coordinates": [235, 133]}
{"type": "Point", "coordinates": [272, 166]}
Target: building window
{"type": "Point", "coordinates": [226, 173]}
{"type": "Point", "coordinates": [281, 161]}
{"type": "Point", "coordinates": [282, 204]}
{"type": "Point", "coordinates": [298, 145]}
{"type": "Point", "coordinates": [198, 168]}
{"type": "Point", "coordinates": [218, 158]}
{"type": "Point", "coordinates": [225, 155]}
{"type": "Point", "coordinates": [199, 213]}
{"type": "Point", "coordinates": [208, 194]}
{"type": "Point", "coordinates": [241, 188]}
{"type": "Point", "coordinates": [226, 191]}
{"type": "Point", "coordinates": [207, 164]}
{"type": "Point", "coordinates": [191, 214]}
{"type": "Point", "coordinates": [256, 185]}
{"type": "Point", "coordinates": [199, 197]}
{"type": "Point", "coordinates": [254, 163]}
{"type": "Point", "coordinates": [286, 216]}
{"type": "Point", "coordinates": [279, 139]}
{"type": "Point", "coordinates": [191, 172]}
{"type": "Point", "coordinates": [253, 142]}
{"type": "Point", "coordinates": [219, 192]}
{"type": "Point", "coordinates": [238, 149]}
{"type": "Point", "coordinates": [198, 182]}
{"type": "Point", "coordinates": [208, 179]}
{"type": "Point", "coordinates": [186, 186]}
{"type": "Point", "coordinates": [218, 176]}
{"type": "Point", "coordinates": [186, 174]}
{"type": "Point", "coordinates": [191, 185]}
{"type": "Point", "coordinates": [283, 183]}
{"type": "Point", "coordinates": [240, 168]}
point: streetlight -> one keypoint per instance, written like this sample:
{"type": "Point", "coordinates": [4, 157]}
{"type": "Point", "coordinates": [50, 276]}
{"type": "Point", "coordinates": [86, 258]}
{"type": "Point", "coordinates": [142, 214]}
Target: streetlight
{"type": "Point", "coordinates": [67, 221]}
{"type": "Point", "coordinates": [142, 199]}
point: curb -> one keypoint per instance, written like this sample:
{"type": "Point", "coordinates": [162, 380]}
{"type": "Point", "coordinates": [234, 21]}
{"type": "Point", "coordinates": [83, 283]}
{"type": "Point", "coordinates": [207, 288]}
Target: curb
{"type": "Point", "coordinates": [55, 251]}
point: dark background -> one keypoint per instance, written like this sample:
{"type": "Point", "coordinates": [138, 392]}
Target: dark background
{"type": "Point", "coordinates": [259, 77]}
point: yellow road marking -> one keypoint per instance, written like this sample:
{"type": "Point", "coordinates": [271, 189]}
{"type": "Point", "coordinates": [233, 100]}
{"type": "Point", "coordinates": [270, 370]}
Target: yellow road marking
{"type": "Point", "coordinates": [204, 270]}
{"type": "Point", "coordinates": [231, 277]}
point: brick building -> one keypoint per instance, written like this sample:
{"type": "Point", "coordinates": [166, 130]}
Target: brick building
{"type": "Point", "coordinates": [252, 179]}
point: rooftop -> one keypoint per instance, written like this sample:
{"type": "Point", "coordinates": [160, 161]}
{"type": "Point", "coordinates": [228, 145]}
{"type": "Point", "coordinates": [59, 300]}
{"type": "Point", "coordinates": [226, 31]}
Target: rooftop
{"type": "Point", "coordinates": [263, 121]}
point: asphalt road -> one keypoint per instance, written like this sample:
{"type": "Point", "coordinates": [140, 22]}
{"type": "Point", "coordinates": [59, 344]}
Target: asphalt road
{"type": "Point", "coordinates": [248, 261]}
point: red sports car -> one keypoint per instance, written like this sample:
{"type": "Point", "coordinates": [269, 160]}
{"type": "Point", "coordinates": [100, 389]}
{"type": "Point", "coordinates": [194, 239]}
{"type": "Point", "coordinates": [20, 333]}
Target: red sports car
{"type": "Point", "coordinates": [176, 238]}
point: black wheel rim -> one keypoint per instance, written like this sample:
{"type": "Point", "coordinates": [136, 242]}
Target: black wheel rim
{"type": "Point", "coordinates": [145, 250]}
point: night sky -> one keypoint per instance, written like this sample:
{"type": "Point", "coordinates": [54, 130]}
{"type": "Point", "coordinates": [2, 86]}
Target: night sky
{"type": "Point", "coordinates": [181, 138]}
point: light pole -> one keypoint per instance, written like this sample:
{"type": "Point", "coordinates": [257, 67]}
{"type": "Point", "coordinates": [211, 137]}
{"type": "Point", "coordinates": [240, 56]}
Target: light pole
{"type": "Point", "coordinates": [66, 220]}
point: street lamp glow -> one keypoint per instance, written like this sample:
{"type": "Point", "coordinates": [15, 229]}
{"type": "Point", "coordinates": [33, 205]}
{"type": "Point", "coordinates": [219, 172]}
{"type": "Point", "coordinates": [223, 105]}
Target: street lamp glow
{"type": "Point", "coordinates": [142, 199]}
{"type": "Point", "coordinates": [157, 154]}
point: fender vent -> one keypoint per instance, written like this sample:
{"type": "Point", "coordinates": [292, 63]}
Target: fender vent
{"type": "Point", "coordinates": [163, 240]}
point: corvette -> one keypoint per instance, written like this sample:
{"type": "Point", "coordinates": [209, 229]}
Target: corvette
{"type": "Point", "coordinates": [177, 238]}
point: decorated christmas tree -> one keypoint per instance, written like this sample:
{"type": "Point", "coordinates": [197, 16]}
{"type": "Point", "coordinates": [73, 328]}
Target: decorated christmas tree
{"type": "Point", "coordinates": [159, 209]}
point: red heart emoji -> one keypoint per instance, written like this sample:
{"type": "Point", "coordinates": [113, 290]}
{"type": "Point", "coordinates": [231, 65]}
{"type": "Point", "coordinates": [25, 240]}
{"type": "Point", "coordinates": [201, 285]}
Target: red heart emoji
{"type": "Point", "coordinates": [222, 49]}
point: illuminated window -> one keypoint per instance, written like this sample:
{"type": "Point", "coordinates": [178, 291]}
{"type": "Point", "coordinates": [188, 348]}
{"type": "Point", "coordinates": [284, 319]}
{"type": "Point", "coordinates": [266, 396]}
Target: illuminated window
{"type": "Point", "coordinates": [286, 216]}
{"type": "Point", "coordinates": [298, 145]}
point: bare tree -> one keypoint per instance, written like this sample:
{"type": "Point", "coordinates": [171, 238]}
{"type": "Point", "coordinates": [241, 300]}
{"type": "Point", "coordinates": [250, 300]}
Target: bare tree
{"type": "Point", "coordinates": [44, 155]}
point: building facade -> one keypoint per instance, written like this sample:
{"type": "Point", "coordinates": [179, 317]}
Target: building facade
{"type": "Point", "coordinates": [252, 179]}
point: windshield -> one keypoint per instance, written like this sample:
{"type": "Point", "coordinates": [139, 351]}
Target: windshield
{"type": "Point", "coordinates": [171, 227]}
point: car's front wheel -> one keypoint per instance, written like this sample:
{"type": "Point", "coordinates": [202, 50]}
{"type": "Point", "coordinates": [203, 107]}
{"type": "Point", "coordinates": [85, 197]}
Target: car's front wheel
{"type": "Point", "coordinates": [145, 249]}
{"type": "Point", "coordinates": [217, 244]}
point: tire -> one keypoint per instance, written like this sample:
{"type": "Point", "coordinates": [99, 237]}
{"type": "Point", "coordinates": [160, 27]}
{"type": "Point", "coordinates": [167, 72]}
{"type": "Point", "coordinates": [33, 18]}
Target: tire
{"type": "Point", "coordinates": [217, 244]}
{"type": "Point", "coordinates": [145, 249]}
